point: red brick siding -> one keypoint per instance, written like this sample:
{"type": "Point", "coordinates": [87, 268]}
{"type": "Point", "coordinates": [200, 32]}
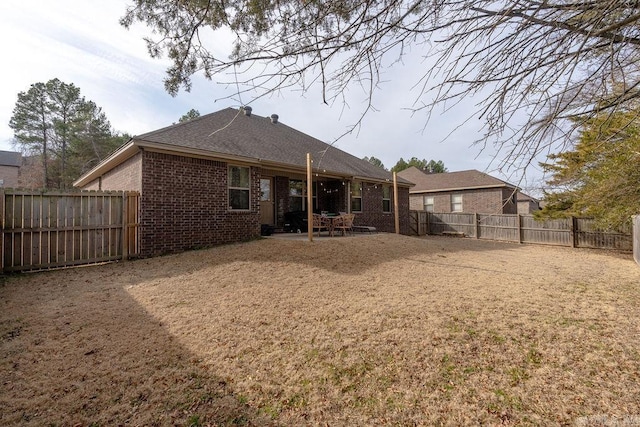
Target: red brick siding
{"type": "Point", "coordinates": [184, 205]}
{"type": "Point", "coordinates": [126, 176]}
{"type": "Point", "coordinates": [487, 201]}
{"type": "Point", "coordinates": [372, 214]}
{"type": "Point", "coordinates": [9, 174]}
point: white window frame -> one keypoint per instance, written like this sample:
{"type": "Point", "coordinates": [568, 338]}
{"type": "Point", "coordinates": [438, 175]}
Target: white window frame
{"type": "Point", "coordinates": [426, 203]}
{"type": "Point", "coordinates": [386, 188]}
{"type": "Point", "coordinates": [455, 203]}
{"type": "Point", "coordinates": [356, 185]}
{"type": "Point", "coordinates": [238, 188]}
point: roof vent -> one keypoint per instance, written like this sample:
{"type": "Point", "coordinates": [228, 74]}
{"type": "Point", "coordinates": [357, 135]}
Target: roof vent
{"type": "Point", "coordinates": [274, 118]}
{"type": "Point", "coordinates": [247, 111]}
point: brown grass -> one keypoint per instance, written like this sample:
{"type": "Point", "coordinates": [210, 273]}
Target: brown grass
{"type": "Point", "coordinates": [379, 330]}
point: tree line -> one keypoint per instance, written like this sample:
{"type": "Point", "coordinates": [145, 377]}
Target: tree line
{"type": "Point", "coordinates": [61, 132]}
{"type": "Point", "coordinates": [431, 166]}
{"type": "Point", "coordinates": [66, 135]}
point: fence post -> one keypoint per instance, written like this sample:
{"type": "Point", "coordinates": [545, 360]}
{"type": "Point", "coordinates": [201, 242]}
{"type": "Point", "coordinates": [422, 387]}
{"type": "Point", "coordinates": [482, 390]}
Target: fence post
{"type": "Point", "coordinates": [476, 222]}
{"type": "Point", "coordinates": [125, 226]}
{"type": "Point", "coordinates": [574, 232]}
{"type": "Point", "coordinates": [428, 222]}
{"type": "Point", "coordinates": [2, 231]}
{"type": "Point", "coordinates": [519, 228]}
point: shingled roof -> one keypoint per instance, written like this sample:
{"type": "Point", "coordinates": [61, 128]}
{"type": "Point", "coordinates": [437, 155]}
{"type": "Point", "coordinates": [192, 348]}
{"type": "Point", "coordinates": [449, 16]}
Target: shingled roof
{"type": "Point", "coordinates": [230, 132]}
{"type": "Point", "coordinates": [450, 181]}
{"type": "Point", "coordinates": [10, 158]}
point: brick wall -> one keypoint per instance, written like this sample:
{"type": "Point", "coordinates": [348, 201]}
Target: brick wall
{"type": "Point", "coordinates": [9, 176]}
{"type": "Point", "coordinates": [126, 176]}
{"type": "Point", "coordinates": [184, 205]}
{"type": "Point", "coordinates": [488, 201]}
{"type": "Point", "coordinates": [373, 215]}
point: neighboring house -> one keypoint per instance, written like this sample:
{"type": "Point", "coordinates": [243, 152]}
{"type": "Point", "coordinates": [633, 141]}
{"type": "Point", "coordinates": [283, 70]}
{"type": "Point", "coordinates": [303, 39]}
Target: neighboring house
{"type": "Point", "coordinates": [10, 162]}
{"type": "Point", "coordinates": [527, 204]}
{"type": "Point", "coordinates": [469, 191]}
{"type": "Point", "coordinates": [217, 178]}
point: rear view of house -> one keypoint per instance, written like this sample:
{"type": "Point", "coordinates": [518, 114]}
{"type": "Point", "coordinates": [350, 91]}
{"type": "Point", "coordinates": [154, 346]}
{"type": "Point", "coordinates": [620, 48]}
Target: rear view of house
{"type": "Point", "coordinates": [222, 177]}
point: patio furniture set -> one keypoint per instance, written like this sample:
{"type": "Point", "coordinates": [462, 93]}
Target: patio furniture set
{"type": "Point", "coordinates": [342, 222]}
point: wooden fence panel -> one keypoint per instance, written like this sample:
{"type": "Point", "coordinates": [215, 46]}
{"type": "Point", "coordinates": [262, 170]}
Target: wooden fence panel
{"type": "Point", "coordinates": [589, 236]}
{"type": "Point", "coordinates": [48, 230]}
{"type": "Point", "coordinates": [576, 232]}
{"type": "Point", "coordinates": [499, 227]}
{"type": "Point", "coordinates": [445, 223]}
{"type": "Point", "coordinates": [549, 232]}
{"type": "Point", "coordinates": [419, 222]}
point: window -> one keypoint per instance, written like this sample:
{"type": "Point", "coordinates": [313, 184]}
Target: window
{"type": "Point", "coordinates": [265, 190]}
{"type": "Point", "coordinates": [428, 203]}
{"type": "Point", "coordinates": [296, 194]}
{"type": "Point", "coordinates": [456, 203]}
{"type": "Point", "coordinates": [386, 198]}
{"type": "Point", "coordinates": [239, 179]}
{"type": "Point", "coordinates": [356, 197]}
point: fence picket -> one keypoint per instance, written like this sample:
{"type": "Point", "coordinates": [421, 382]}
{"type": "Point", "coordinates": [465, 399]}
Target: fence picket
{"type": "Point", "coordinates": [572, 232]}
{"type": "Point", "coordinates": [48, 230]}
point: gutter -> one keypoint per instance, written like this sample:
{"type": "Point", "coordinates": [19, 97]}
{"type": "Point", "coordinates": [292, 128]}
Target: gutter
{"type": "Point", "coordinates": [134, 146]}
{"type": "Point", "coordinates": [440, 190]}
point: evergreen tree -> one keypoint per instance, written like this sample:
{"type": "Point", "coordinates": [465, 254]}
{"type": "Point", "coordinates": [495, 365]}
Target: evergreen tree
{"type": "Point", "coordinates": [431, 166]}
{"type": "Point", "coordinates": [600, 176]}
{"type": "Point", "coordinates": [375, 161]}
{"type": "Point", "coordinates": [189, 115]}
{"type": "Point", "coordinates": [66, 132]}
{"type": "Point", "coordinates": [33, 125]}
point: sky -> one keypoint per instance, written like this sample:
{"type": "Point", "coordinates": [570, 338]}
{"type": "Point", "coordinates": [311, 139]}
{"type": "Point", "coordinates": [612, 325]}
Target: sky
{"type": "Point", "coordinates": [82, 42]}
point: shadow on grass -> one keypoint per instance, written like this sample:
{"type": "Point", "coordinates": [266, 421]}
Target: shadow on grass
{"type": "Point", "coordinates": [80, 351]}
{"type": "Point", "coordinates": [344, 255]}
{"type": "Point", "coordinates": [73, 352]}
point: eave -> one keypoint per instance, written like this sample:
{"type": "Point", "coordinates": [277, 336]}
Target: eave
{"type": "Point", "coordinates": [134, 146]}
{"type": "Point", "coordinates": [445, 190]}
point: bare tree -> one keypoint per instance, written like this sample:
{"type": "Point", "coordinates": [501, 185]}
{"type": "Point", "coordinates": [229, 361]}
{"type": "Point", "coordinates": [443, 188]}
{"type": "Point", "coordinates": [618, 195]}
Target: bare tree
{"type": "Point", "coordinates": [533, 64]}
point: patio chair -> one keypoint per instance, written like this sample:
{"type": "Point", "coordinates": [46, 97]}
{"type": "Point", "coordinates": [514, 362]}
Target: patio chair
{"type": "Point", "coordinates": [344, 223]}
{"type": "Point", "coordinates": [321, 223]}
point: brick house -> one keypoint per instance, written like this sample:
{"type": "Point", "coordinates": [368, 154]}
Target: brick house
{"type": "Point", "coordinates": [218, 178]}
{"type": "Point", "coordinates": [10, 162]}
{"type": "Point", "coordinates": [468, 191]}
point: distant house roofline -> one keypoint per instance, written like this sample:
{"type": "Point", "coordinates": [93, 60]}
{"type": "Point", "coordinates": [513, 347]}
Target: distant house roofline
{"type": "Point", "coordinates": [426, 183]}
{"type": "Point", "coordinates": [10, 158]}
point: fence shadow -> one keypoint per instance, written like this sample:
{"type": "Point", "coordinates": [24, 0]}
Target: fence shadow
{"type": "Point", "coordinates": [76, 352]}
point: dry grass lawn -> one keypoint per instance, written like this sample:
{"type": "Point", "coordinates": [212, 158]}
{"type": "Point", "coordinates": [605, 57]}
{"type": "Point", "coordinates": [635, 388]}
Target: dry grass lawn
{"type": "Point", "coordinates": [378, 330]}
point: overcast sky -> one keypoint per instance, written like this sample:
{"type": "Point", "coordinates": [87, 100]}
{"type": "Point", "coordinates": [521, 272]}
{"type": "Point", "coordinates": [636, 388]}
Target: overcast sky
{"type": "Point", "coordinates": [81, 42]}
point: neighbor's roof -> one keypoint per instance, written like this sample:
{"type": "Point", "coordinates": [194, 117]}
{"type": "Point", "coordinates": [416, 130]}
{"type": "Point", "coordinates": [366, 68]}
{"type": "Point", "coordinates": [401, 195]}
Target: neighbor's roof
{"type": "Point", "coordinates": [450, 181]}
{"type": "Point", "coordinates": [522, 197]}
{"type": "Point", "coordinates": [10, 158]}
{"type": "Point", "coordinates": [229, 133]}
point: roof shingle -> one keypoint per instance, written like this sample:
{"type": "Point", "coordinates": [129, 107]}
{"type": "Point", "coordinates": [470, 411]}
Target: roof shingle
{"type": "Point", "coordinates": [10, 158]}
{"type": "Point", "coordinates": [230, 132]}
{"type": "Point", "coordinates": [450, 181]}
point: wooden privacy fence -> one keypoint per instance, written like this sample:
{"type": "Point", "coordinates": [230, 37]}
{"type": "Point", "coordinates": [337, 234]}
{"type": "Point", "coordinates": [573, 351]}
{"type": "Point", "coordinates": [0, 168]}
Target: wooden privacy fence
{"type": "Point", "coordinates": [573, 232]}
{"type": "Point", "coordinates": [43, 230]}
